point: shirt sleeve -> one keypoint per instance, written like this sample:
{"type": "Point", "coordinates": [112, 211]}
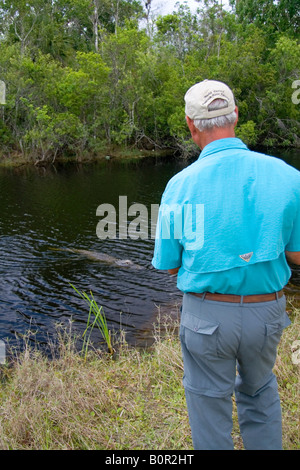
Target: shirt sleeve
{"type": "Point", "coordinates": [168, 249]}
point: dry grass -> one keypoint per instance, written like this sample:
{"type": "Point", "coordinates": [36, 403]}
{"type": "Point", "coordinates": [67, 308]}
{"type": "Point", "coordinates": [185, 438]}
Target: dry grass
{"type": "Point", "coordinates": [132, 401]}
{"type": "Point", "coordinates": [287, 371]}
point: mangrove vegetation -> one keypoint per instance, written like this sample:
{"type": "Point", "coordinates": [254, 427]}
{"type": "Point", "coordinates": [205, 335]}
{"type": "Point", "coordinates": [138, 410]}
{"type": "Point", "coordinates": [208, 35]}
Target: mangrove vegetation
{"type": "Point", "coordinates": [87, 77]}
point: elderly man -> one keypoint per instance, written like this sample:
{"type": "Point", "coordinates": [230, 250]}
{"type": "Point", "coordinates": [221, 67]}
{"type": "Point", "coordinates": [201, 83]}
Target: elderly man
{"type": "Point", "coordinates": [228, 225]}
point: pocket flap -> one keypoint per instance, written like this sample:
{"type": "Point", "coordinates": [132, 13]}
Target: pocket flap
{"type": "Point", "coordinates": [198, 325]}
{"type": "Point", "coordinates": [272, 328]}
{"type": "Point", "coordinates": [287, 321]}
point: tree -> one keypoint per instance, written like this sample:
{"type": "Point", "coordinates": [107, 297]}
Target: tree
{"type": "Point", "coordinates": [178, 31]}
{"type": "Point", "coordinates": [280, 15]}
{"type": "Point", "coordinates": [18, 18]}
{"type": "Point", "coordinates": [84, 75]}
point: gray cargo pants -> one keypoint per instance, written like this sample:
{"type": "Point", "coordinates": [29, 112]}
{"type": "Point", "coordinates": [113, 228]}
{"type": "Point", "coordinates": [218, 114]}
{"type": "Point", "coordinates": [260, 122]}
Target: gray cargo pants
{"type": "Point", "coordinates": [218, 340]}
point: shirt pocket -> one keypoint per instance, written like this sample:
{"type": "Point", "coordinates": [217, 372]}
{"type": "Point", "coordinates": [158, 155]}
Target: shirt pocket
{"type": "Point", "coordinates": [198, 335]}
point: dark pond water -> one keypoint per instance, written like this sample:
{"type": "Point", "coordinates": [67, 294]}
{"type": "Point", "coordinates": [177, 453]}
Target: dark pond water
{"type": "Point", "coordinates": [42, 209]}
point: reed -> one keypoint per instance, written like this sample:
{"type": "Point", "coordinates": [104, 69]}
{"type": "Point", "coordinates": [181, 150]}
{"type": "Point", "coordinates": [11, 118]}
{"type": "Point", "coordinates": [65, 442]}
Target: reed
{"type": "Point", "coordinates": [96, 318]}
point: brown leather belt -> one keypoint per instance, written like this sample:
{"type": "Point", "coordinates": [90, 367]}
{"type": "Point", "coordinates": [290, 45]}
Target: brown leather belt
{"type": "Point", "coordinates": [240, 298]}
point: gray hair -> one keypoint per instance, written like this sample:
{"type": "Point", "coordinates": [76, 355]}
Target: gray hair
{"type": "Point", "coordinates": [220, 121]}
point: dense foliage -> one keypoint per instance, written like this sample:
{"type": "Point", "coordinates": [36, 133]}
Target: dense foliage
{"type": "Point", "coordinates": [83, 76]}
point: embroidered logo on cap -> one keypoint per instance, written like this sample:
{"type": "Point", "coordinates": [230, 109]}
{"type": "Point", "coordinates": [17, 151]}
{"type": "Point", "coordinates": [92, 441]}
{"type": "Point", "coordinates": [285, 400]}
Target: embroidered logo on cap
{"type": "Point", "coordinates": [247, 256]}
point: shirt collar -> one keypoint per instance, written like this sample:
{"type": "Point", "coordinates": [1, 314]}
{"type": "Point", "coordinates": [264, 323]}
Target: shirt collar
{"type": "Point", "coordinates": [222, 144]}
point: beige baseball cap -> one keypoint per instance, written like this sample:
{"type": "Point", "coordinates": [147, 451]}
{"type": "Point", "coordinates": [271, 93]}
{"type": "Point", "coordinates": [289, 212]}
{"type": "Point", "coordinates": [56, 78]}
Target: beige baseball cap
{"type": "Point", "coordinates": [199, 97]}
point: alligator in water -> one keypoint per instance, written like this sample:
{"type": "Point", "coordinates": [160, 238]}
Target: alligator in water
{"type": "Point", "coordinates": [102, 258]}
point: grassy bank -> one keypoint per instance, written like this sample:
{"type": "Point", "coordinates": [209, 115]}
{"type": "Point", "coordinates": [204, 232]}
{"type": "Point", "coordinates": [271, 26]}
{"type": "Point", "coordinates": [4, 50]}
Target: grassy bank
{"type": "Point", "coordinates": [119, 154]}
{"type": "Point", "coordinates": [134, 400]}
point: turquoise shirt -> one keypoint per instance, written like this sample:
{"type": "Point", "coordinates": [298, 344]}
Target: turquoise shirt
{"type": "Point", "coordinates": [227, 219]}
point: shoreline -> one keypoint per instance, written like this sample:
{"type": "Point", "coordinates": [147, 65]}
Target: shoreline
{"type": "Point", "coordinates": [123, 155]}
{"type": "Point", "coordinates": [111, 155]}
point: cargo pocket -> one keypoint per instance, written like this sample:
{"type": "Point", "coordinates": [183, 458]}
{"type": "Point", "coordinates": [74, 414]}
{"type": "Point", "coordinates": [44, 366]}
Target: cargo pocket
{"type": "Point", "coordinates": [273, 333]}
{"type": "Point", "coordinates": [198, 335]}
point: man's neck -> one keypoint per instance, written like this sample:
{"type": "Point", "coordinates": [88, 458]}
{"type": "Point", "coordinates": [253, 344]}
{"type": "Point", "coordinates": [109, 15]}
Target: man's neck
{"type": "Point", "coordinates": [207, 137]}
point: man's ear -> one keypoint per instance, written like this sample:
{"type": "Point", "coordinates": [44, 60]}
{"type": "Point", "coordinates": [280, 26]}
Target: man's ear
{"type": "Point", "coordinates": [190, 124]}
{"type": "Point", "coordinates": [193, 129]}
{"type": "Point", "coordinates": [237, 115]}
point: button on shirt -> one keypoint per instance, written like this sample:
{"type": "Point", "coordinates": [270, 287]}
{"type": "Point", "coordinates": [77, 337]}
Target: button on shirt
{"type": "Point", "coordinates": [227, 219]}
